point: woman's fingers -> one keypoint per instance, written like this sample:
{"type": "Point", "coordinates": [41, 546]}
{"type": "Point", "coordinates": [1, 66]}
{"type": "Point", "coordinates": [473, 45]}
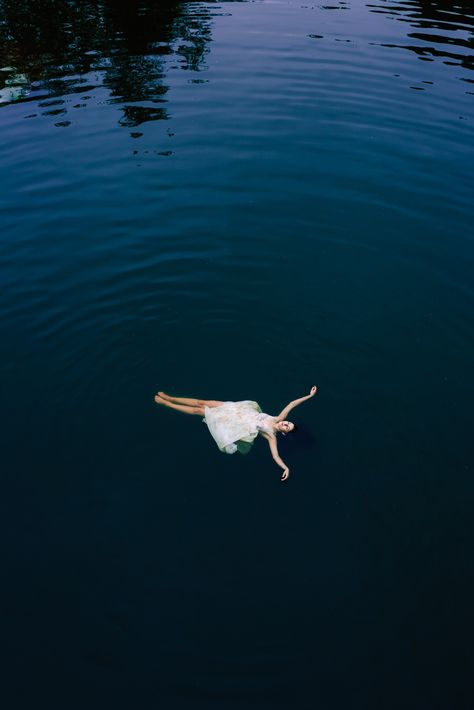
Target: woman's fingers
{"type": "Point", "coordinates": [285, 475]}
{"type": "Point", "coordinates": [313, 390]}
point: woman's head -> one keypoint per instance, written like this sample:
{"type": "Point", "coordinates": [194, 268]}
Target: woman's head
{"type": "Point", "coordinates": [285, 427]}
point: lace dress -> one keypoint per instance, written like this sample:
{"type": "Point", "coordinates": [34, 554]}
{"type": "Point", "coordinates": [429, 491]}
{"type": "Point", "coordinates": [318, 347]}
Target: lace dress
{"type": "Point", "coordinates": [235, 425]}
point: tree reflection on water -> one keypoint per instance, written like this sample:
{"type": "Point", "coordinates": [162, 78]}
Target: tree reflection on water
{"type": "Point", "coordinates": [52, 48]}
{"type": "Point", "coordinates": [443, 29]}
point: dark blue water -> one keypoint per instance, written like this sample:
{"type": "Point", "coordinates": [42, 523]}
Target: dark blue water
{"type": "Point", "coordinates": [232, 201]}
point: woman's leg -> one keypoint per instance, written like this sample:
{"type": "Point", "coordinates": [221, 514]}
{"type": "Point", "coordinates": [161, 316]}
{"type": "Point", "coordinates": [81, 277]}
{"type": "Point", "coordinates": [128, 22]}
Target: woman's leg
{"type": "Point", "coordinates": [188, 402]}
{"type": "Point", "coordinates": [186, 409]}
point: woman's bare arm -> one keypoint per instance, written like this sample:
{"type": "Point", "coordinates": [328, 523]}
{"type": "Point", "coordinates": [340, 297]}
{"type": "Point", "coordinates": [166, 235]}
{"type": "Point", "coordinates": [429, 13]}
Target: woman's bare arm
{"type": "Point", "coordinates": [284, 412]}
{"type": "Point", "coordinates": [275, 455]}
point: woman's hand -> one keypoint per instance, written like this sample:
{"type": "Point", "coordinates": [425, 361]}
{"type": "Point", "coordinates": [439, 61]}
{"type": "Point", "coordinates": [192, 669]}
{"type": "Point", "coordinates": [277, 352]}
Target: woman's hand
{"type": "Point", "coordinates": [285, 474]}
{"type": "Point", "coordinates": [314, 389]}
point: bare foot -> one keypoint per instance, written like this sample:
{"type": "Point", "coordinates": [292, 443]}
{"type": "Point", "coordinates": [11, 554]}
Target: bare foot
{"type": "Point", "coordinates": [159, 400]}
{"type": "Point", "coordinates": [163, 395]}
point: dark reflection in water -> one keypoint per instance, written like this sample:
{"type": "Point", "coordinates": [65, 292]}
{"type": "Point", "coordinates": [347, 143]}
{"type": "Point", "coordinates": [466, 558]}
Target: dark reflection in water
{"type": "Point", "coordinates": [443, 29]}
{"type": "Point", "coordinates": [49, 49]}
{"type": "Point", "coordinates": [340, 6]}
{"type": "Point", "coordinates": [315, 221]}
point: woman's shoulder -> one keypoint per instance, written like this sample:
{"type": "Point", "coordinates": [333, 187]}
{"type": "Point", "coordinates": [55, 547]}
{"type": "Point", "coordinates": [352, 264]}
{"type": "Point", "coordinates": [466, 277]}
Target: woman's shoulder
{"type": "Point", "coordinates": [265, 423]}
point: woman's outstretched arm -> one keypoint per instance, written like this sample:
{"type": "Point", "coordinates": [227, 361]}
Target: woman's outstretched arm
{"type": "Point", "coordinates": [275, 455]}
{"type": "Point", "coordinates": [284, 412]}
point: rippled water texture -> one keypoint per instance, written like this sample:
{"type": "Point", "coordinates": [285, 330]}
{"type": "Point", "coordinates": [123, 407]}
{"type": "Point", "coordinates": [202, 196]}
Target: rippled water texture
{"type": "Point", "coordinates": [237, 200]}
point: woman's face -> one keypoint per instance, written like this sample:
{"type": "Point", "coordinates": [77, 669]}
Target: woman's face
{"type": "Point", "coordinates": [285, 427]}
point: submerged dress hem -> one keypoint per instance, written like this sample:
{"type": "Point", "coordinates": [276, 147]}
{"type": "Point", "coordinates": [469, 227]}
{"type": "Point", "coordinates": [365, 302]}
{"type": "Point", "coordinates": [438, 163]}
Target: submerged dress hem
{"type": "Point", "coordinates": [235, 425]}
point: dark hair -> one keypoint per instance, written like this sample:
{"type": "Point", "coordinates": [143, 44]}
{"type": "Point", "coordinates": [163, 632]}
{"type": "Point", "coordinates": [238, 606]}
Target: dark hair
{"type": "Point", "coordinates": [304, 439]}
{"type": "Point", "coordinates": [295, 428]}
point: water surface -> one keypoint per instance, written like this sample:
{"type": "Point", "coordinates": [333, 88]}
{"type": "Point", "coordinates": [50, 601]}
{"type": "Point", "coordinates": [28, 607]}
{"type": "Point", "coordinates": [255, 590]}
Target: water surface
{"type": "Point", "coordinates": [237, 200]}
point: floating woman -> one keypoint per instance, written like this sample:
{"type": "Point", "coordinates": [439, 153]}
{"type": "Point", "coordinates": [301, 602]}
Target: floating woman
{"type": "Point", "coordinates": [235, 425]}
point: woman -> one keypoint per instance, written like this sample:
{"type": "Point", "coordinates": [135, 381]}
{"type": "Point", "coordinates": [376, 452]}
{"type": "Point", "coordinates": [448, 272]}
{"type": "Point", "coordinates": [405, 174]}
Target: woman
{"type": "Point", "coordinates": [235, 425]}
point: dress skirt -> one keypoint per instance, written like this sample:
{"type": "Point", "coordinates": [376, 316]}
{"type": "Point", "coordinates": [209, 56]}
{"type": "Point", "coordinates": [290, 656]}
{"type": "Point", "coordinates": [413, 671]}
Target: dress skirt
{"type": "Point", "coordinates": [233, 425]}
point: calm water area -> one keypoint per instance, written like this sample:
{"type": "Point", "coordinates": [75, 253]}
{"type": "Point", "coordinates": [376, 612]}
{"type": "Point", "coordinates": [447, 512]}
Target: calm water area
{"type": "Point", "coordinates": [237, 200]}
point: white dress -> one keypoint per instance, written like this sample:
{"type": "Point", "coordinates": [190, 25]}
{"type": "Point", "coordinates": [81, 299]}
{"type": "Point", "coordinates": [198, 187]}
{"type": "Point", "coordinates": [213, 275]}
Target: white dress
{"type": "Point", "coordinates": [235, 425]}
